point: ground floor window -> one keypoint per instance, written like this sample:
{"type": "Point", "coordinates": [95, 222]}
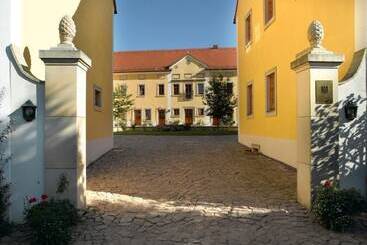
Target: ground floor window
{"type": "Point", "coordinates": [97, 100]}
{"type": "Point", "coordinates": [200, 111]}
{"type": "Point", "coordinates": [250, 106]}
{"type": "Point", "coordinates": [176, 112]}
{"type": "Point", "coordinates": [148, 114]}
{"type": "Point", "coordinates": [271, 91]}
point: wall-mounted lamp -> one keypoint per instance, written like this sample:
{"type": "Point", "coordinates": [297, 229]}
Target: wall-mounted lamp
{"type": "Point", "coordinates": [351, 110]}
{"type": "Point", "coordinates": [29, 111]}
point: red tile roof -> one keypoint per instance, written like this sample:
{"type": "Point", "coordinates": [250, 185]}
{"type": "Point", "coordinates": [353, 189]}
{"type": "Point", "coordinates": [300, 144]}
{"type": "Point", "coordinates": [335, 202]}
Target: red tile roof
{"type": "Point", "coordinates": [161, 60]}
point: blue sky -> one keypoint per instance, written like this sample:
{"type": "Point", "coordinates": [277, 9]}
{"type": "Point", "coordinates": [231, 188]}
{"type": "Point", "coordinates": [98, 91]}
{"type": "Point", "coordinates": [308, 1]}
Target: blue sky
{"type": "Point", "coordinates": [167, 24]}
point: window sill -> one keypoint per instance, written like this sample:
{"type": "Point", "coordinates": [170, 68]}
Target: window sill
{"type": "Point", "coordinates": [248, 44]}
{"type": "Point", "coordinates": [251, 116]}
{"type": "Point", "coordinates": [271, 114]}
{"type": "Point", "coordinates": [267, 24]}
{"type": "Point", "coordinates": [98, 108]}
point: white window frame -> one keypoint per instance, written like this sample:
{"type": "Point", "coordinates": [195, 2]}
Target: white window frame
{"type": "Point", "coordinates": [164, 89]}
{"type": "Point", "coordinates": [197, 112]}
{"type": "Point", "coordinates": [173, 112]}
{"type": "Point", "coordinates": [250, 83]}
{"type": "Point", "coordinates": [98, 89]}
{"type": "Point", "coordinates": [197, 88]}
{"type": "Point", "coordinates": [249, 42]}
{"type": "Point", "coordinates": [145, 91]}
{"type": "Point", "coordinates": [273, 112]}
{"type": "Point", "coordinates": [267, 23]}
{"type": "Point", "coordinates": [145, 114]}
{"type": "Point", "coordinates": [173, 89]}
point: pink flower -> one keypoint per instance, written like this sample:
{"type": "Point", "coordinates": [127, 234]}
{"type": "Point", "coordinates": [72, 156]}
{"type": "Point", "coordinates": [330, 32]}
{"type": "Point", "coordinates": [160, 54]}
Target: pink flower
{"type": "Point", "coordinates": [32, 200]}
{"type": "Point", "coordinates": [44, 197]}
{"type": "Point", "coordinates": [328, 184]}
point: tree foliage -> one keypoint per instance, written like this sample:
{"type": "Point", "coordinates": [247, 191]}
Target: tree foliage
{"type": "Point", "coordinates": [220, 101]}
{"type": "Point", "coordinates": [122, 104]}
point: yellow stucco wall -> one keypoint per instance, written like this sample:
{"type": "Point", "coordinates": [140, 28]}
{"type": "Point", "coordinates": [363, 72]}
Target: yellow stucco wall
{"type": "Point", "coordinates": [94, 20]}
{"type": "Point", "coordinates": [38, 24]}
{"type": "Point", "coordinates": [275, 47]}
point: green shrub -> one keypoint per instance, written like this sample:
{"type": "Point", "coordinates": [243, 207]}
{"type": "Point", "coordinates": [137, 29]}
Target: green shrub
{"type": "Point", "coordinates": [51, 221]}
{"type": "Point", "coordinates": [334, 208]}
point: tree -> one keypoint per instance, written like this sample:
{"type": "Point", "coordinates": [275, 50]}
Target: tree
{"type": "Point", "coordinates": [122, 104]}
{"type": "Point", "coordinates": [220, 101]}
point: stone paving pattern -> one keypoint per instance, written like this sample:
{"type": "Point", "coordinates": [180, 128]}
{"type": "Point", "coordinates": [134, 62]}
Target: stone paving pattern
{"type": "Point", "coordinates": [195, 190]}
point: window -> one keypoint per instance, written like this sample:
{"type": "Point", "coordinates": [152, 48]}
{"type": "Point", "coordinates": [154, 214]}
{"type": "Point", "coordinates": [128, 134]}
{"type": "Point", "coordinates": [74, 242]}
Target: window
{"type": "Point", "coordinates": [97, 100]}
{"type": "Point", "coordinates": [176, 112]}
{"type": "Point", "coordinates": [175, 76]}
{"type": "Point", "coordinates": [161, 89]}
{"type": "Point", "coordinates": [268, 11]}
{"type": "Point", "coordinates": [148, 114]}
{"type": "Point", "coordinates": [248, 28]}
{"type": "Point", "coordinates": [250, 105]}
{"type": "Point", "coordinates": [123, 88]}
{"type": "Point", "coordinates": [188, 91]}
{"type": "Point", "coordinates": [176, 89]}
{"type": "Point", "coordinates": [200, 111]}
{"type": "Point", "coordinates": [229, 87]}
{"type": "Point", "coordinates": [271, 92]}
{"type": "Point", "coordinates": [200, 88]}
{"type": "Point", "coordinates": [141, 91]}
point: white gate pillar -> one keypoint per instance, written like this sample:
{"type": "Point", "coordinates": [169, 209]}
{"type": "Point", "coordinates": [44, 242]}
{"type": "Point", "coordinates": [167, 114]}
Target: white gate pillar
{"type": "Point", "coordinates": [317, 115]}
{"type": "Point", "coordinates": [65, 117]}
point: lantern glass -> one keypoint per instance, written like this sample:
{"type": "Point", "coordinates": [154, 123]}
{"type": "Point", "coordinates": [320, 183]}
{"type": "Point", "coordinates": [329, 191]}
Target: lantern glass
{"type": "Point", "coordinates": [29, 111]}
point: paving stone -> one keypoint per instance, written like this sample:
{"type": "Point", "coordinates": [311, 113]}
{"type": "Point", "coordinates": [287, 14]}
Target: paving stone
{"type": "Point", "coordinates": [195, 190]}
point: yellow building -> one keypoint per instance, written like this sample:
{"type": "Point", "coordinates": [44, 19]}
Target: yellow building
{"type": "Point", "coordinates": [270, 34]}
{"type": "Point", "coordinates": [167, 86]}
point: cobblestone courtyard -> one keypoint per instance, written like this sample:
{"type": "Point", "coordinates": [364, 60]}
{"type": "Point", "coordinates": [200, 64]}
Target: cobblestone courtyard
{"type": "Point", "coordinates": [195, 190]}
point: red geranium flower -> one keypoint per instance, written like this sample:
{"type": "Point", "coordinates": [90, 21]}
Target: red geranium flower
{"type": "Point", "coordinates": [32, 200]}
{"type": "Point", "coordinates": [44, 197]}
{"type": "Point", "coordinates": [328, 184]}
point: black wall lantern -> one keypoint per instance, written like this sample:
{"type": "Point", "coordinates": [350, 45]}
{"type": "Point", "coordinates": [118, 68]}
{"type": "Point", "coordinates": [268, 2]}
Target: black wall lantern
{"type": "Point", "coordinates": [29, 111]}
{"type": "Point", "coordinates": [351, 110]}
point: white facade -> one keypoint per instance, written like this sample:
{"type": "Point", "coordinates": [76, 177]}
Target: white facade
{"type": "Point", "coordinates": [25, 145]}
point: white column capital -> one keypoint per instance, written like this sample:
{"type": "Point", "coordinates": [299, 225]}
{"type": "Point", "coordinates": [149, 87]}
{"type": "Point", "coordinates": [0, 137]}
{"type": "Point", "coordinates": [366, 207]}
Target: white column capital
{"type": "Point", "coordinates": [64, 56]}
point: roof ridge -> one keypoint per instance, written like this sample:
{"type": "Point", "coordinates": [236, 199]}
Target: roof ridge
{"type": "Point", "coordinates": [172, 50]}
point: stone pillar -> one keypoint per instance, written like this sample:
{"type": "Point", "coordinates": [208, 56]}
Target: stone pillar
{"type": "Point", "coordinates": [65, 117]}
{"type": "Point", "coordinates": [317, 115]}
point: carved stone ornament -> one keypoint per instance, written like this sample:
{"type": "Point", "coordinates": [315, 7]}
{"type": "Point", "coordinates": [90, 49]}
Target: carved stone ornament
{"type": "Point", "coordinates": [67, 30]}
{"type": "Point", "coordinates": [316, 34]}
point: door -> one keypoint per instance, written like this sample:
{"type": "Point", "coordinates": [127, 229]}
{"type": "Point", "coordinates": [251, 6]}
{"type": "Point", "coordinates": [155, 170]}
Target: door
{"type": "Point", "coordinates": [161, 117]}
{"type": "Point", "coordinates": [137, 120]}
{"type": "Point", "coordinates": [189, 116]}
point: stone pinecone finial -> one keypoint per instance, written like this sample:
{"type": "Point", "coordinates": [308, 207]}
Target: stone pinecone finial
{"type": "Point", "coordinates": [316, 34]}
{"type": "Point", "coordinates": [67, 30]}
